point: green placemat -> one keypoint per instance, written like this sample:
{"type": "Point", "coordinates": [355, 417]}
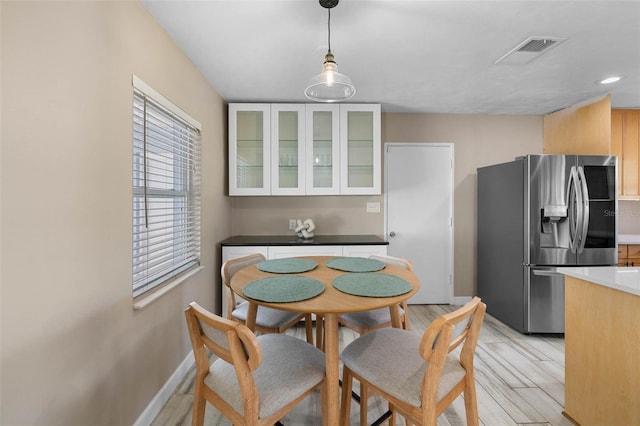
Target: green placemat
{"type": "Point", "coordinates": [354, 264]}
{"type": "Point", "coordinates": [287, 266]}
{"type": "Point", "coordinates": [283, 289]}
{"type": "Point", "coordinates": [372, 285]}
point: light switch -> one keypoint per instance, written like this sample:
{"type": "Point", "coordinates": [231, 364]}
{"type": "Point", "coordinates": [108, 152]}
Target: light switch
{"type": "Point", "coordinates": [373, 207]}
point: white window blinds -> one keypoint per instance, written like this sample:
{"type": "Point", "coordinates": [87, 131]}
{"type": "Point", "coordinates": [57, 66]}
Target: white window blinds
{"type": "Point", "coordinates": [166, 191]}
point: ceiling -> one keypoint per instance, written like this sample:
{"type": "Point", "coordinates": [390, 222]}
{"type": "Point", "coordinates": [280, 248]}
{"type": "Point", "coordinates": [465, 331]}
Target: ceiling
{"type": "Point", "coordinates": [422, 56]}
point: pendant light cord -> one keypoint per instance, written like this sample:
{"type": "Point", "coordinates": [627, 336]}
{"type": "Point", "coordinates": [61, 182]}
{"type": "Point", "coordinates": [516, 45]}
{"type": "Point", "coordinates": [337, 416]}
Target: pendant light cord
{"type": "Point", "coordinates": [329, 29]}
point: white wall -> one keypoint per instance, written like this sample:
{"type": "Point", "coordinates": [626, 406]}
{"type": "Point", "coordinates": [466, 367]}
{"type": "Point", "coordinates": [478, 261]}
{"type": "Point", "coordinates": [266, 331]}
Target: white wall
{"type": "Point", "coordinates": [73, 351]}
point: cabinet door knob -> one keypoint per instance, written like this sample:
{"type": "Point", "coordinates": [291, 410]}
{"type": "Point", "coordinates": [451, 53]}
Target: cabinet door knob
{"type": "Point", "coordinates": [392, 234]}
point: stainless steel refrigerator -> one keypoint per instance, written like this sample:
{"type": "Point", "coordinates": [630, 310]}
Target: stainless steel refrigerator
{"type": "Point", "coordinates": [535, 214]}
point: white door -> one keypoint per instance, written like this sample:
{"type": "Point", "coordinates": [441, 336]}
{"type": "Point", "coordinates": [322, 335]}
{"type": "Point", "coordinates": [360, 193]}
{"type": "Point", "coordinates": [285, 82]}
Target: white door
{"type": "Point", "coordinates": [419, 214]}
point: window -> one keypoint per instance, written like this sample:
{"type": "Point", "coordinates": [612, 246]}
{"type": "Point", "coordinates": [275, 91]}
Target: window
{"type": "Point", "coordinates": [166, 190]}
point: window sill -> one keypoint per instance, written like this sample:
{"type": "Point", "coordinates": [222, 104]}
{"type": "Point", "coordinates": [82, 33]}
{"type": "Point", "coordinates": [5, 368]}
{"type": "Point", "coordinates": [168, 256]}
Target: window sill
{"type": "Point", "coordinates": [147, 299]}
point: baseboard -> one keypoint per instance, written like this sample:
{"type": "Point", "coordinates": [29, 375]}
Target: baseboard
{"type": "Point", "coordinates": [163, 395]}
{"type": "Point", "coordinates": [459, 301]}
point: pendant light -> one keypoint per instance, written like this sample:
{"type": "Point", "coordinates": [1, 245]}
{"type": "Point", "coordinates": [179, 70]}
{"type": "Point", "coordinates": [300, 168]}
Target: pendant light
{"type": "Point", "coordinates": [329, 85]}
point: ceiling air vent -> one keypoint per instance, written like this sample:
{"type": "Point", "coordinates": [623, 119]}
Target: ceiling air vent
{"type": "Point", "coordinates": [529, 50]}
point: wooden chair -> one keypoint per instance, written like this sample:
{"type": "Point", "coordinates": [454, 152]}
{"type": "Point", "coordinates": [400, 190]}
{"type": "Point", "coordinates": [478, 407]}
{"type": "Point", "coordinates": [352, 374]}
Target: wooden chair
{"type": "Point", "coordinates": [253, 380]}
{"type": "Point", "coordinates": [363, 322]}
{"type": "Point", "coordinates": [419, 377]}
{"type": "Point", "coordinates": [268, 320]}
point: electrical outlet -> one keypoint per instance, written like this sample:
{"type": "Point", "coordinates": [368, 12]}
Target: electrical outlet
{"type": "Point", "coordinates": [373, 207]}
{"type": "Point", "coordinates": [292, 224]}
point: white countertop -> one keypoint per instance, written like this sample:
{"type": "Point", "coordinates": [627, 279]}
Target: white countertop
{"type": "Point", "coordinates": [628, 238]}
{"type": "Point", "coordinates": [619, 278]}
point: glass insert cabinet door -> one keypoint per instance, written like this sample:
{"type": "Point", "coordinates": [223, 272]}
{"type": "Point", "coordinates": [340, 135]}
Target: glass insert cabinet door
{"type": "Point", "coordinates": [249, 152]}
{"type": "Point", "coordinates": [304, 149]}
{"type": "Point", "coordinates": [323, 153]}
{"type": "Point", "coordinates": [360, 149]}
{"type": "Point", "coordinates": [288, 149]}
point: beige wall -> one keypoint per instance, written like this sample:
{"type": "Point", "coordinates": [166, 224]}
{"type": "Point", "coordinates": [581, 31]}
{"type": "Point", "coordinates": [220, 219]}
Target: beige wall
{"type": "Point", "coordinates": [343, 215]}
{"type": "Point", "coordinates": [73, 351]}
{"type": "Point", "coordinates": [629, 217]}
{"type": "Point", "coordinates": [478, 141]}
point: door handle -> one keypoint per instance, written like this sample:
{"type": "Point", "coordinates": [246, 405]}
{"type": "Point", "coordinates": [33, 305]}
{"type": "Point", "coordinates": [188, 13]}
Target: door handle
{"type": "Point", "coordinates": [575, 205]}
{"type": "Point", "coordinates": [392, 234]}
{"type": "Point", "coordinates": [585, 208]}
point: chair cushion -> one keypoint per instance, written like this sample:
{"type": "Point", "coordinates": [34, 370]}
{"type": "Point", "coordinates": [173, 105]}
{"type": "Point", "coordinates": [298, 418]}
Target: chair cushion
{"type": "Point", "coordinates": [389, 359]}
{"type": "Point", "coordinates": [289, 368]}
{"type": "Point", "coordinates": [266, 317]}
{"type": "Point", "coordinates": [369, 319]}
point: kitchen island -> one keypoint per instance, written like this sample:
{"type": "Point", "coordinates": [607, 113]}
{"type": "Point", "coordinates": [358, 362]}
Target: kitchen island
{"type": "Point", "coordinates": [602, 345]}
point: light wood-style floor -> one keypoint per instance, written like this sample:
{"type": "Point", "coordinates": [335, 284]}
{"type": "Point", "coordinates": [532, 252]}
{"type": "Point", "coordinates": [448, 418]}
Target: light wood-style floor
{"type": "Point", "coordinates": [520, 381]}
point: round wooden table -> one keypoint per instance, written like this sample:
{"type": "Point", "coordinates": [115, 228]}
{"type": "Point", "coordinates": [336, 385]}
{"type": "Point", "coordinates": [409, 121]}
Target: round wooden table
{"type": "Point", "coordinates": [328, 304]}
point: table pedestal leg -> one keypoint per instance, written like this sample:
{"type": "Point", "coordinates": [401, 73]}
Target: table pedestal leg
{"type": "Point", "coordinates": [331, 404]}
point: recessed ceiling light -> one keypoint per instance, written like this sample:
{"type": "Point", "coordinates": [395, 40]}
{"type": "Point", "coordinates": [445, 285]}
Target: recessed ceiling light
{"type": "Point", "coordinates": [610, 80]}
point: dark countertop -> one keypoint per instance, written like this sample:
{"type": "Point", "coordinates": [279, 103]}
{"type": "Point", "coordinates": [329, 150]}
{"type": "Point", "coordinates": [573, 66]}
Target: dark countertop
{"type": "Point", "coordinates": [293, 240]}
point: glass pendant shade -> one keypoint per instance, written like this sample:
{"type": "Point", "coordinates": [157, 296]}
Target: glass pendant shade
{"type": "Point", "coordinates": [330, 85]}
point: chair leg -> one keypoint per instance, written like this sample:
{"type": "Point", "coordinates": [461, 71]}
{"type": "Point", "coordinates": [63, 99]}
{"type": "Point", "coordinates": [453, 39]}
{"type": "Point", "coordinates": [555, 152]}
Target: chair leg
{"type": "Point", "coordinates": [364, 408]}
{"type": "Point", "coordinates": [320, 332]}
{"type": "Point", "coordinates": [408, 422]}
{"type": "Point", "coordinates": [199, 404]}
{"type": "Point", "coordinates": [405, 317]}
{"type": "Point", "coordinates": [308, 326]}
{"type": "Point", "coordinates": [323, 397]}
{"type": "Point", "coordinates": [470, 401]}
{"type": "Point", "coordinates": [345, 401]}
{"type": "Point", "coordinates": [392, 417]}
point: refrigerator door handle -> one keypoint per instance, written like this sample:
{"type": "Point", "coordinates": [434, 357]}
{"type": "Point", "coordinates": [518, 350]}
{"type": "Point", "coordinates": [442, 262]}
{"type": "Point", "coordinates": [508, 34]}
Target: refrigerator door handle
{"type": "Point", "coordinates": [585, 209]}
{"type": "Point", "coordinates": [574, 204]}
{"type": "Point", "coordinates": [552, 272]}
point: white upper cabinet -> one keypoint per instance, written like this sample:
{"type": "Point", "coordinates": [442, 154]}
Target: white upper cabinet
{"type": "Point", "coordinates": [323, 150]}
{"type": "Point", "coordinates": [249, 149]}
{"type": "Point", "coordinates": [360, 150]}
{"type": "Point", "coordinates": [288, 149]}
{"type": "Point", "coordinates": [304, 149]}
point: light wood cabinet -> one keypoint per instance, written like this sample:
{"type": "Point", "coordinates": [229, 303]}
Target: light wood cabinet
{"type": "Point", "coordinates": [602, 349]}
{"type": "Point", "coordinates": [304, 149]}
{"type": "Point", "coordinates": [629, 255]}
{"type": "Point", "coordinates": [581, 129]}
{"type": "Point", "coordinates": [625, 143]}
{"type": "Point", "coordinates": [622, 254]}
